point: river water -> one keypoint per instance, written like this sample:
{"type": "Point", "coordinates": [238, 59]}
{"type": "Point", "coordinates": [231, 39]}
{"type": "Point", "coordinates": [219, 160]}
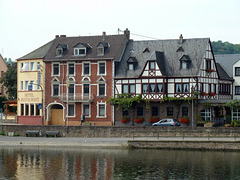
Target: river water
{"type": "Point", "coordinates": [106, 164]}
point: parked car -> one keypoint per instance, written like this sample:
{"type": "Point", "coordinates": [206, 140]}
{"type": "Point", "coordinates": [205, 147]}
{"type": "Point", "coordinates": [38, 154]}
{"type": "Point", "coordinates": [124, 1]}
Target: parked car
{"type": "Point", "coordinates": [167, 122]}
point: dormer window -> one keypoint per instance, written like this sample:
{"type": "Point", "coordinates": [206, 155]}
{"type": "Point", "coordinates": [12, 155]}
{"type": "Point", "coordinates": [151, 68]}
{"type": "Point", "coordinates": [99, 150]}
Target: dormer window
{"type": "Point", "coordinates": [185, 62]}
{"type": "Point", "coordinates": [102, 48]}
{"type": "Point", "coordinates": [132, 61]}
{"type": "Point", "coordinates": [81, 49]}
{"type": "Point", "coordinates": [61, 49]}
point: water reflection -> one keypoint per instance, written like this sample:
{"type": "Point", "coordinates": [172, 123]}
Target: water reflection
{"type": "Point", "coordinates": [75, 163]}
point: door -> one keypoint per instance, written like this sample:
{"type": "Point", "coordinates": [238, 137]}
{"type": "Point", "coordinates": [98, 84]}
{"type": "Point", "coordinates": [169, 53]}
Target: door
{"type": "Point", "coordinates": [57, 117]}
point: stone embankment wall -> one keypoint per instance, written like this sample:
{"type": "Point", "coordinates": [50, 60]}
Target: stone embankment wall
{"type": "Point", "coordinates": [114, 131]}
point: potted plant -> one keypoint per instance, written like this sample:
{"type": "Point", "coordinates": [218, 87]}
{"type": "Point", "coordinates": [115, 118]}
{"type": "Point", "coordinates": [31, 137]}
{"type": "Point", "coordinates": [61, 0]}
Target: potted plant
{"type": "Point", "coordinates": [203, 93]}
{"type": "Point", "coordinates": [125, 119]}
{"type": "Point", "coordinates": [138, 119]}
{"type": "Point", "coordinates": [200, 123]}
{"type": "Point", "coordinates": [209, 70]}
{"type": "Point", "coordinates": [209, 124]}
{"type": "Point", "coordinates": [211, 94]}
{"type": "Point", "coordinates": [184, 120]}
{"type": "Point", "coordinates": [153, 119]}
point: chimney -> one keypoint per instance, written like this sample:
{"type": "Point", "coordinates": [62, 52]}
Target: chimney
{"type": "Point", "coordinates": [57, 36]}
{"type": "Point", "coordinates": [127, 33]}
{"type": "Point", "coordinates": [103, 35]}
{"type": "Point", "coordinates": [180, 39]}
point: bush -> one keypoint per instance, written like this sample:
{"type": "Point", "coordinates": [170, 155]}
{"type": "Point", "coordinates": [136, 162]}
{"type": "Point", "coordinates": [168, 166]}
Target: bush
{"type": "Point", "coordinates": [138, 120]}
{"type": "Point", "coordinates": [125, 119]}
{"type": "Point", "coordinates": [184, 120]}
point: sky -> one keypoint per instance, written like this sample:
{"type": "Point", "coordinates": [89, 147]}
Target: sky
{"type": "Point", "coordinates": [26, 25]}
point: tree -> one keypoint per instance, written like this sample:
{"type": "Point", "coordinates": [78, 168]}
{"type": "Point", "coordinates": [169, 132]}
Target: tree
{"type": "Point", "coordinates": [220, 47]}
{"type": "Point", "coordinates": [9, 81]}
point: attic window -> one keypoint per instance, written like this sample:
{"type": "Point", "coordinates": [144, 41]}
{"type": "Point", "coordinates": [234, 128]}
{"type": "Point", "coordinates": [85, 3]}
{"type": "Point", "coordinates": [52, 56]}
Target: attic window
{"type": "Point", "coordinates": [61, 49]}
{"type": "Point", "coordinates": [146, 50]}
{"type": "Point", "coordinates": [185, 62]}
{"type": "Point", "coordinates": [59, 52]}
{"type": "Point", "coordinates": [102, 48]}
{"type": "Point", "coordinates": [81, 49]}
{"type": "Point", "coordinates": [132, 62]}
{"type": "Point", "coordinates": [130, 66]}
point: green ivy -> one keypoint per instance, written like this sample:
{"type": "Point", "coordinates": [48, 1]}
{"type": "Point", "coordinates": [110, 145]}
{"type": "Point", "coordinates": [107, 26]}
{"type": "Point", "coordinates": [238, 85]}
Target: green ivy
{"type": "Point", "coordinates": [125, 101]}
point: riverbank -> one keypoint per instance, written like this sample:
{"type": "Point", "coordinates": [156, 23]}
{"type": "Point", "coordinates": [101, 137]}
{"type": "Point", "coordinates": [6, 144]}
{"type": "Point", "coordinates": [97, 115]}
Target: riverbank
{"type": "Point", "coordinates": [123, 143]}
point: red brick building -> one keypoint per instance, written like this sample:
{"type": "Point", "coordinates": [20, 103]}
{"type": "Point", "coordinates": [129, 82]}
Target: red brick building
{"type": "Point", "coordinates": [79, 78]}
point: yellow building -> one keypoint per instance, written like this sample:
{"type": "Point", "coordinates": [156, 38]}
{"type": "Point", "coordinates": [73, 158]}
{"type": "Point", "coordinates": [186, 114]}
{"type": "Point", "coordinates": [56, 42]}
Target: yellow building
{"type": "Point", "coordinates": [30, 87]}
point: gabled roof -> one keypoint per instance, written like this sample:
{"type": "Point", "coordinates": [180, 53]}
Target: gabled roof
{"type": "Point", "coordinates": [117, 42]}
{"type": "Point", "coordinates": [227, 61]}
{"type": "Point", "coordinates": [39, 53]}
{"type": "Point", "coordinates": [164, 52]}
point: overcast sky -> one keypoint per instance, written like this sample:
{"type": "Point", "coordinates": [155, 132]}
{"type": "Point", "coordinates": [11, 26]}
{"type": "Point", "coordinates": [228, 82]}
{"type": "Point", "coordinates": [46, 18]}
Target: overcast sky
{"type": "Point", "coordinates": [28, 24]}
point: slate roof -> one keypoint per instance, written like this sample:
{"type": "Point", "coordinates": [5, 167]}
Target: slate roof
{"type": "Point", "coordinates": [227, 61]}
{"type": "Point", "coordinates": [116, 43]}
{"type": "Point", "coordinates": [222, 73]}
{"type": "Point", "coordinates": [167, 55]}
{"type": "Point", "coordinates": [39, 53]}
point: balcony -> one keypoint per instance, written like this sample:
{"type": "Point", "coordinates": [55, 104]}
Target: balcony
{"type": "Point", "coordinates": [77, 97]}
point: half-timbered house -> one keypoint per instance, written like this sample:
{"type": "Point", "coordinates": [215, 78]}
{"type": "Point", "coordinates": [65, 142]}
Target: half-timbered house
{"type": "Point", "coordinates": [164, 71]}
{"type": "Point", "coordinates": [79, 76]}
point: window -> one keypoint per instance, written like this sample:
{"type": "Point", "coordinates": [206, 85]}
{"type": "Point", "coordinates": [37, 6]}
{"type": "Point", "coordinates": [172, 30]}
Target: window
{"type": "Point", "coordinates": [237, 90]}
{"type": "Point", "coordinates": [201, 87]}
{"type": "Point", "coordinates": [86, 69]}
{"type": "Point", "coordinates": [32, 85]}
{"type": "Point", "coordinates": [140, 111]}
{"type": "Point", "coordinates": [59, 51]}
{"type": "Point", "coordinates": [184, 65]}
{"type": "Point", "coordinates": [32, 66]}
{"type": "Point", "coordinates": [130, 66]}
{"type": "Point", "coordinates": [152, 88]}
{"type": "Point", "coordinates": [37, 110]}
{"type": "Point", "coordinates": [86, 110]}
{"type": "Point", "coordinates": [208, 64]}
{"type": "Point", "coordinates": [159, 88]}
{"type": "Point", "coordinates": [71, 90]}
{"type": "Point", "coordinates": [22, 109]}
{"type": "Point", "coordinates": [215, 89]}
{"type": "Point", "coordinates": [125, 113]}
{"type": "Point", "coordinates": [206, 114]}
{"type": "Point", "coordinates": [101, 110]}
{"type": "Point", "coordinates": [145, 88]}
{"type": "Point", "coordinates": [209, 88]}
{"type": "Point", "coordinates": [55, 69]}
{"type": "Point", "coordinates": [86, 89]}
{"type": "Point", "coordinates": [178, 88]}
{"type": "Point", "coordinates": [170, 111]}
{"type": "Point", "coordinates": [80, 51]}
{"type": "Point", "coordinates": [26, 109]}
{"type": "Point", "coordinates": [237, 71]}
{"type": "Point", "coordinates": [100, 51]}
{"type": "Point", "coordinates": [38, 66]}
{"type": "Point", "coordinates": [235, 114]}
{"type": "Point", "coordinates": [151, 65]}
{"type": "Point", "coordinates": [125, 88]}
{"type": "Point", "coordinates": [185, 88]}
{"type": "Point", "coordinates": [26, 66]}
{"type": "Point", "coordinates": [26, 85]}
{"type": "Point", "coordinates": [71, 69]}
{"type": "Point", "coordinates": [101, 69]}
{"type": "Point", "coordinates": [71, 110]}
{"type": "Point", "coordinates": [32, 109]}
{"type": "Point", "coordinates": [21, 67]}
{"type": "Point", "coordinates": [154, 111]}
{"type": "Point", "coordinates": [185, 111]}
{"type": "Point", "coordinates": [101, 89]}
{"type": "Point", "coordinates": [21, 85]}
{"type": "Point", "coordinates": [55, 89]}
{"type": "Point", "coordinates": [132, 88]}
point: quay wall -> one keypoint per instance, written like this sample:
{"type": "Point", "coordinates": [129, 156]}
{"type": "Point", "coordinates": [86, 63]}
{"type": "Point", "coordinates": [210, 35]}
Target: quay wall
{"type": "Point", "coordinates": [131, 131]}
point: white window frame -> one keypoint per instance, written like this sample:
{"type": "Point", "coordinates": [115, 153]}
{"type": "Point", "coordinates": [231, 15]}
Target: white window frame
{"type": "Point", "coordinates": [98, 73]}
{"type": "Point", "coordinates": [98, 92]}
{"type": "Point", "coordinates": [26, 85]}
{"type": "Point", "coordinates": [53, 69]}
{"type": "Point", "coordinates": [21, 86]}
{"type": "Point", "coordinates": [74, 68]}
{"type": "Point", "coordinates": [27, 68]}
{"type": "Point", "coordinates": [207, 114]}
{"type": "Point", "coordinates": [32, 66]}
{"type": "Point", "coordinates": [21, 66]}
{"type": "Point", "coordinates": [52, 90]}
{"type": "Point", "coordinates": [74, 108]}
{"type": "Point", "coordinates": [100, 50]}
{"type": "Point", "coordinates": [77, 50]}
{"type": "Point", "coordinates": [89, 104]}
{"type": "Point", "coordinates": [38, 65]}
{"type": "Point", "coordinates": [98, 110]}
{"type": "Point", "coordinates": [83, 73]}
{"type": "Point", "coordinates": [130, 67]}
